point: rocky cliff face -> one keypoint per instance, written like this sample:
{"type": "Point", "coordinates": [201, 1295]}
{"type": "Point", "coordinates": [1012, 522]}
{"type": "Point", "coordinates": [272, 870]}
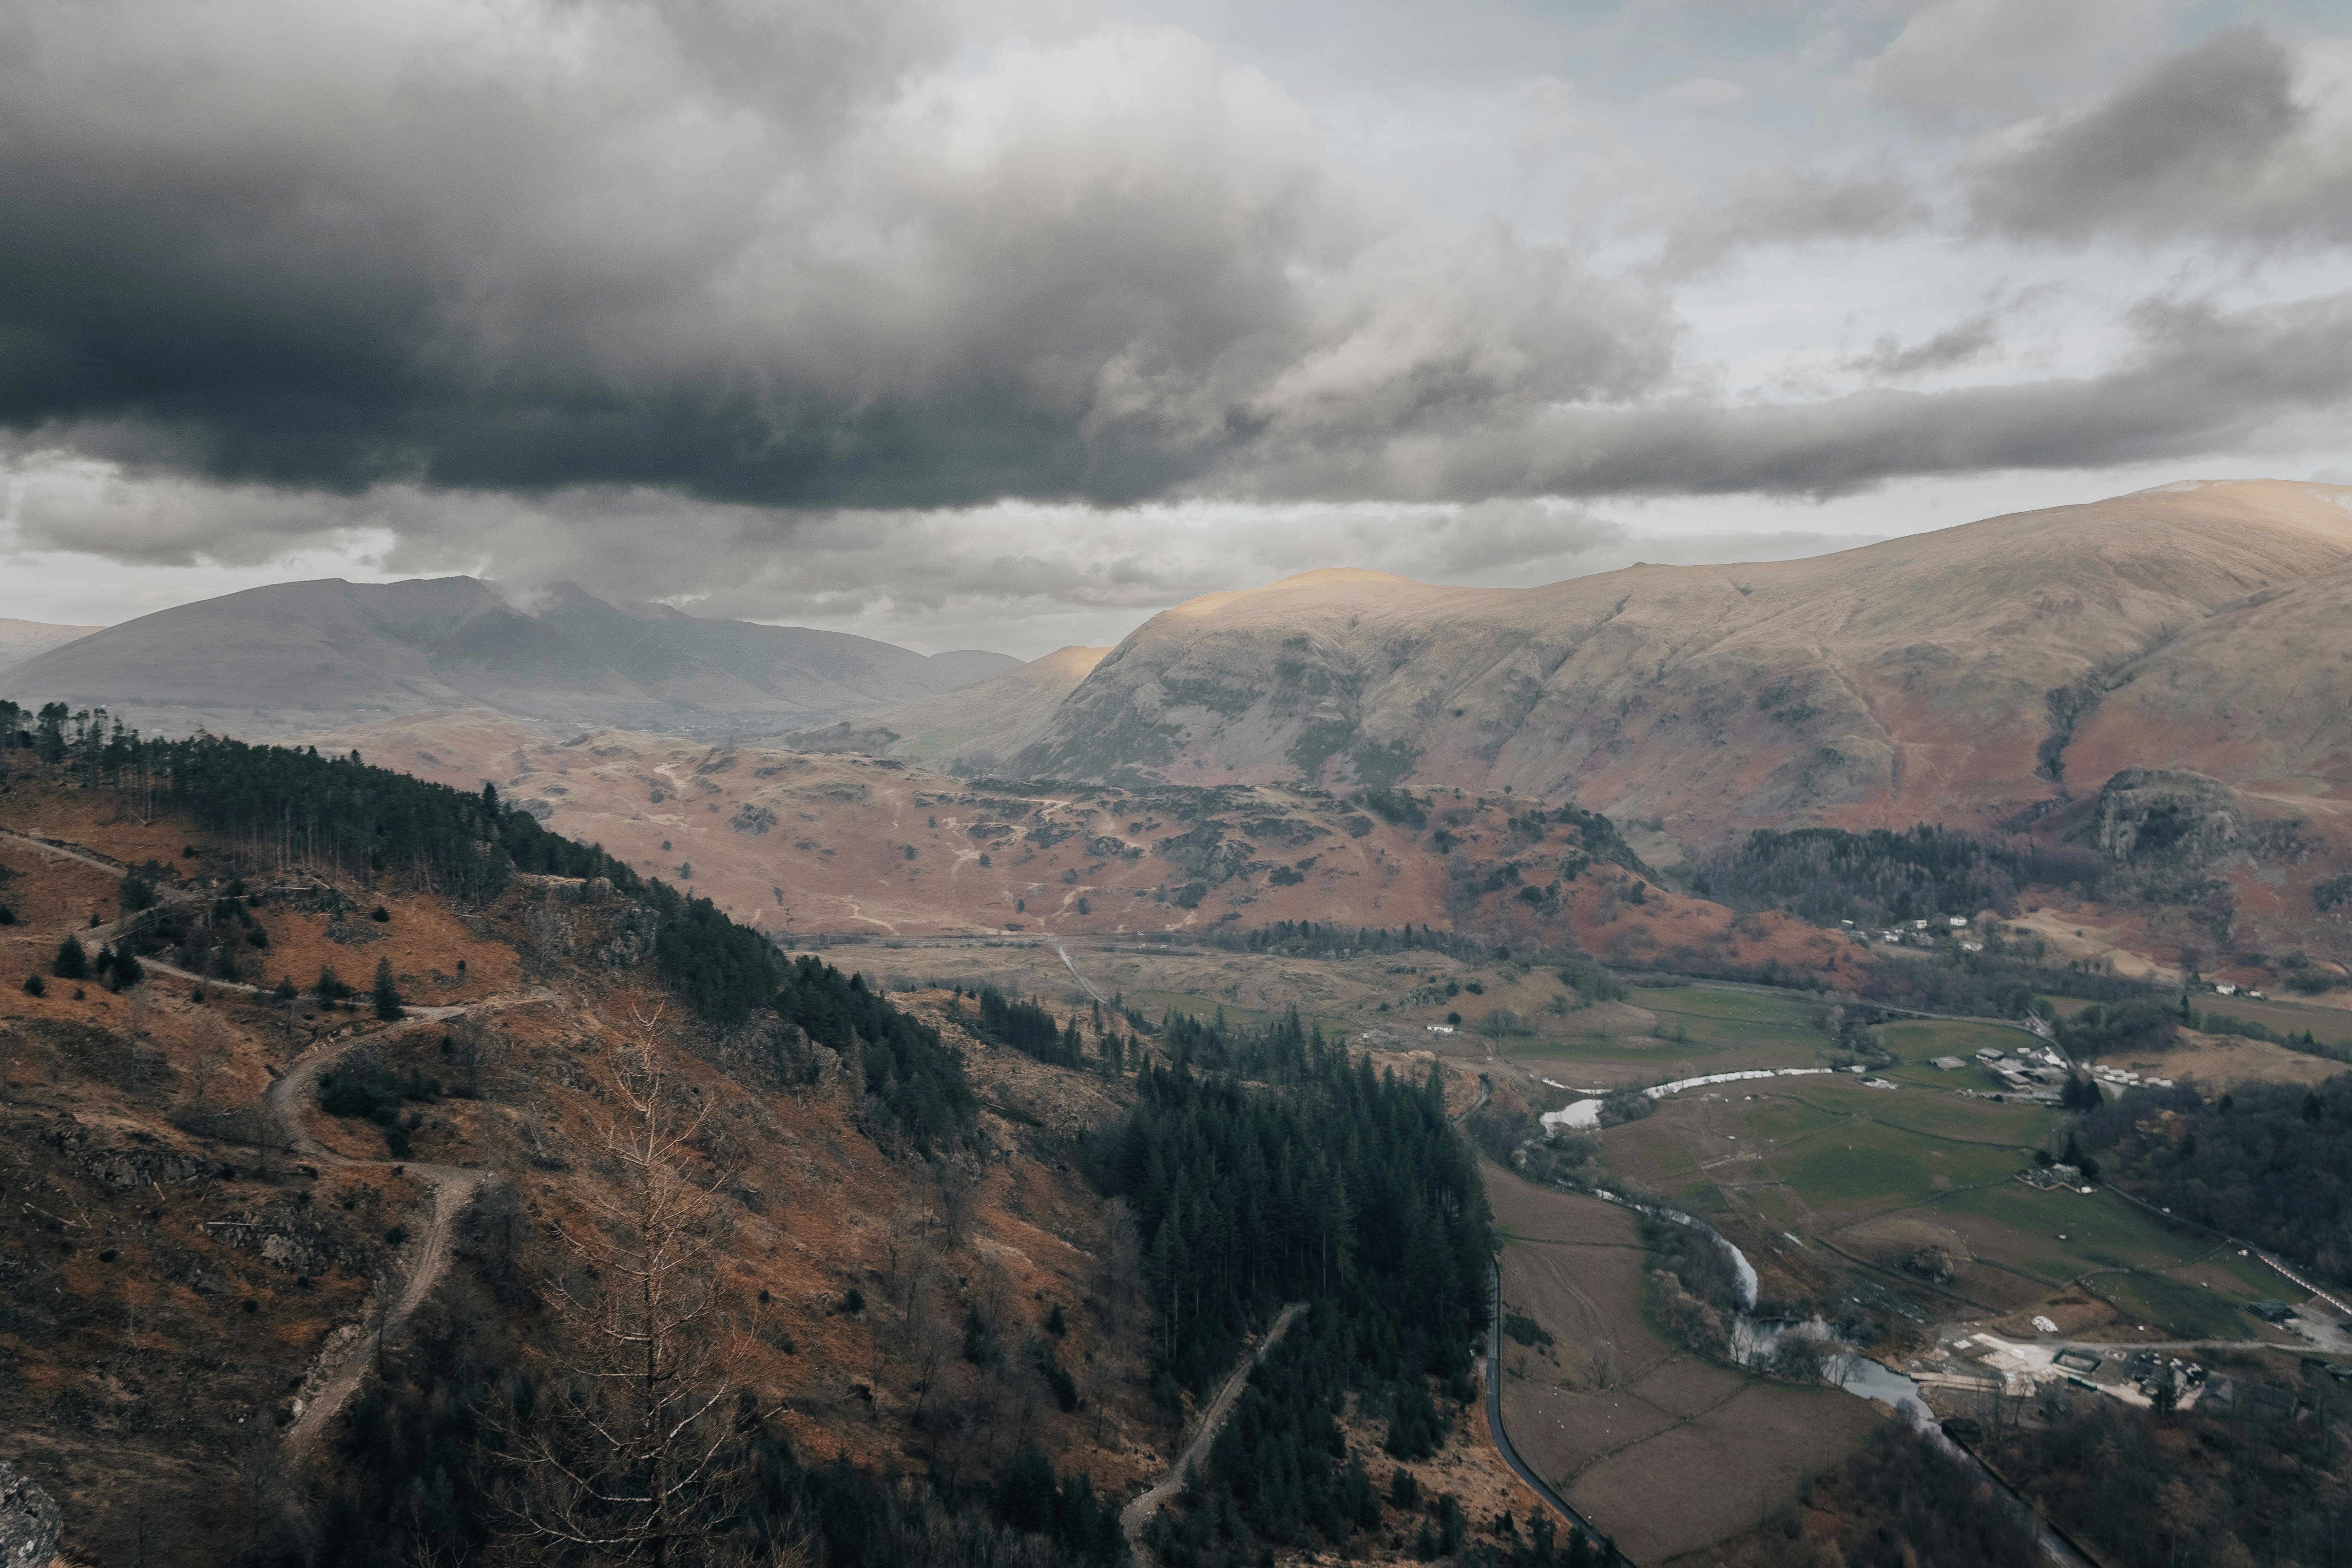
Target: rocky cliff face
{"type": "Point", "coordinates": [1944, 677]}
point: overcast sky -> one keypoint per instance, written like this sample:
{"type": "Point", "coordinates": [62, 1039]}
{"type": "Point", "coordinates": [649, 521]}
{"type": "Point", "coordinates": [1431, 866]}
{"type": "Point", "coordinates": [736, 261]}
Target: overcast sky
{"type": "Point", "coordinates": [1005, 325]}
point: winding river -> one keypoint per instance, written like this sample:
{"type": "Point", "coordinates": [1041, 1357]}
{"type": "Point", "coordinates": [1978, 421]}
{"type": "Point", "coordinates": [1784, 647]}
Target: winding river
{"type": "Point", "coordinates": [1754, 1340]}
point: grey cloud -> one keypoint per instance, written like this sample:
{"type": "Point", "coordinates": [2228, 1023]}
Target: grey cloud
{"type": "Point", "coordinates": [1966, 59]}
{"type": "Point", "coordinates": [1889, 360]}
{"type": "Point", "coordinates": [2212, 140]}
{"type": "Point", "coordinates": [805, 254]}
{"type": "Point", "coordinates": [2200, 381]}
{"type": "Point", "coordinates": [1792, 207]}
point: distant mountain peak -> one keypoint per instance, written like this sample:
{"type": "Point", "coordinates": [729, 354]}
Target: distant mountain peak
{"type": "Point", "coordinates": [289, 657]}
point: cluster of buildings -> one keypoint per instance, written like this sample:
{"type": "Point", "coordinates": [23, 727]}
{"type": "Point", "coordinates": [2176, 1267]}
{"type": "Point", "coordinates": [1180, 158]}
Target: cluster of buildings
{"type": "Point", "coordinates": [2030, 1074]}
{"type": "Point", "coordinates": [1918, 933]}
{"type": "Point", "coordinates": [2121, 1079]}
{"type": "Point", "coordinates": [1987, 1363]}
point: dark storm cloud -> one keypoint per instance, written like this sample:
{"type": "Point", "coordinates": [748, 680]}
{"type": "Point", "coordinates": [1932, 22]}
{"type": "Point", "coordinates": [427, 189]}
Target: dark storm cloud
{"type": "Point", "coordinates": [302, 271]}
{"type": "Point", "coordinates": [2210, 139]}
{"type": "Point", "coordinates": [782, 256]}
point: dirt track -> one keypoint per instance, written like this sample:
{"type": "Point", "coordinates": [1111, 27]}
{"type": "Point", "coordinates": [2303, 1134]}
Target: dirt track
{"type": "Point", "coordinates": [453, 1187]}
{"type": "Point", "coordinates": [1137, 1514]}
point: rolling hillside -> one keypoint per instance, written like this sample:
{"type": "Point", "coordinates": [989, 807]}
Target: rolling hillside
{"type": "Point", "coordinates": [1959, 676]}
{"type": "Point", "coordinates": [976, 730]}
{"type": "Point", "coordinates": [294, 656]}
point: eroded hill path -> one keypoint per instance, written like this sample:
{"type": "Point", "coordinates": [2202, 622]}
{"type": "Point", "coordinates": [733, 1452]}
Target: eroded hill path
{"type": "Point", "coordinates": [1137, 1514]}
{"type": "Point", "coordinates": [452, 1188]}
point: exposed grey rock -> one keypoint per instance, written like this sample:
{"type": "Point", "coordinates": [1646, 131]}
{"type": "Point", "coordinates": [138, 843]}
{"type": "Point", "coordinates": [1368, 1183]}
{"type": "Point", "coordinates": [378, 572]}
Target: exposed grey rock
{"type": "Point", "coordinates": [31, 1525]}
{"type": "Point", "coordinates": [2174, 818]}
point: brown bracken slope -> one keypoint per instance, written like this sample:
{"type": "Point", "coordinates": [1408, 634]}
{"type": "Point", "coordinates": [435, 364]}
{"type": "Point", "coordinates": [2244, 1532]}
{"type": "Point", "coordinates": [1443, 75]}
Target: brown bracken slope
{"type": "Point", "coordinates": [1956, 677]}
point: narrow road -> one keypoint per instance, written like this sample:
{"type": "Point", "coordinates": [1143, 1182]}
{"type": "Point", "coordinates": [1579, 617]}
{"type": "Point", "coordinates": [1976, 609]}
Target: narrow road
{"type": "Point", "coordinates": [1486, 1093]}
{"type": "Point", "coordinates": [1054, 942]}
{"type": "Point", "coordinates": [111, 867]}
{"type": "Point", "coordinates": [1536, 1483]}
{"type": "Point", "coordinates": [452, 1186]}
{"type": "Point", "coordinates": [1137, 1514]}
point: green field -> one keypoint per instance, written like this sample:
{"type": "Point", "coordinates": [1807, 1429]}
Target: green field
{"type": "Point", "coordinates": [1871, 1167]}
{"type": "Point", "coordinates": [2258, 1280]}
{"type": "Point", "coordinates": [2100, 1231]}
{"type": "Point", "coordinates": [2190, 1311]}
{"type": "Point", "coordinates": [1712, 1017]}
{"type": "Point", "coordinates": [1834, 1152]}
{"type": "Point", "coordinates": [1651, 1152]}
{"type": "Point", "coordinates": [2007, 1124]}
{"type": "Point", "coordinates": [1639, 1059]}
{"type": "Point", "coordinates": [1723, 1031]}
{"type": "Point", "coordinates": [2330, 1026]}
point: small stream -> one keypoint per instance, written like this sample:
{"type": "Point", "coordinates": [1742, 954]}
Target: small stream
{"type": "Point", "coordinates": [1754, 1340]}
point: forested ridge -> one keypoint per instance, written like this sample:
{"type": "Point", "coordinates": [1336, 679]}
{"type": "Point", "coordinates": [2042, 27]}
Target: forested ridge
{"type": "Point", "coordinates": [1335, 1185]}
{"type": "Point", "coordinates": [2192, 1486]}
{"type": "Point", "coordinates": [1823, 875]}
{"type": "Point", "coordinates": [2269, 1162]}
{"type": "Point", "coordinates": [280, 807]}
{"type": "Point", "coordinates": [915, 1079]}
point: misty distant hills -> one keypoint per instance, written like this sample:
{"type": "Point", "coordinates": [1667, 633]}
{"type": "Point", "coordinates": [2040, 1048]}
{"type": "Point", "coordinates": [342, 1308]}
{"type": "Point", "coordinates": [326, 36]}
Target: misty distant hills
{"type": "Point", "coordinates": [298, 656]}
{"type": "Point", "coordinates": [974, 731]}
{"type": "Point", "coordinates": [23, 640]}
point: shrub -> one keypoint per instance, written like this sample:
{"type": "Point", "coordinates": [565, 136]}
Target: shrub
{"type": "Point", "coordinates": [35, 986]}
{"type": "Point", "coordinates": [136, 893]}
{"type": "Point", "coordinates": [1622, 1105]}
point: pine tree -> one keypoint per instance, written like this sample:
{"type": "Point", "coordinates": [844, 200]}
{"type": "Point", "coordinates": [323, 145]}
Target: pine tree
{"type": "Point", "coordinates": [387, 995]}
{"type": "Point", "coordinates": [72, 960]}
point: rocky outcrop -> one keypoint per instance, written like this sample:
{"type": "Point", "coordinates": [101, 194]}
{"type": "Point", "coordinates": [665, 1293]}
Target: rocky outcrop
{"type": "Point", "coordinates": [294, 1242]}
{"type": "Point", "coordinates": [121, 1160]}
{"type": "Point", "coordinates": [2155, 814]}
{"type": "Point", "coordinates": [2160, 818]}
{"type": "Point", "coordinates": [31, 1525]}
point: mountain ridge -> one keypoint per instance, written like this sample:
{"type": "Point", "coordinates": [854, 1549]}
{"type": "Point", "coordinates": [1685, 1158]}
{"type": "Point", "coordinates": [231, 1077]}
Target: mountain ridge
{"type": "Point", "coordinates": [293, 656]}
{"type": "Point", "coordinates": [1933, 676]}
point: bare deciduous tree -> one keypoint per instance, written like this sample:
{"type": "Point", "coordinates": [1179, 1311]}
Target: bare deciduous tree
{"type": "Point", "coordinates": [624, 1451]}
{"type": "Point", "coordinates": [211, 1063]}
{"type": "Point", "coordinates": [478, 1050]}
{"type": "Point", "coordinates": [959, 1195]}
{"type": "Point", "coordinates": [1118, 1269]}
